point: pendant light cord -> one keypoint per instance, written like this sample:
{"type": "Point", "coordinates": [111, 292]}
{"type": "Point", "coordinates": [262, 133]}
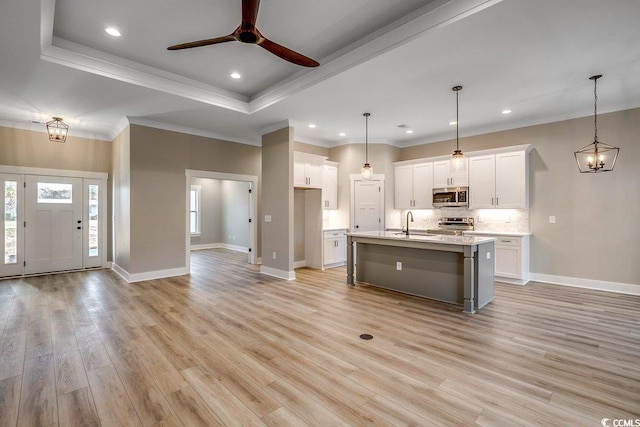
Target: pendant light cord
{"type": "Point", "coordinates": [595, 110]}
{"type": "Point", "coordinates": [457, 120]}
{"type": "Point", "coordinates": [366, 137]}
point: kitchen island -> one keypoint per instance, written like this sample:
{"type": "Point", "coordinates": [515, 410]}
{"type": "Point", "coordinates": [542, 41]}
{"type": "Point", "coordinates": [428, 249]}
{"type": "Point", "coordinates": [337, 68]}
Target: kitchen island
{"type": "Point", "coordinates": [454, 269]}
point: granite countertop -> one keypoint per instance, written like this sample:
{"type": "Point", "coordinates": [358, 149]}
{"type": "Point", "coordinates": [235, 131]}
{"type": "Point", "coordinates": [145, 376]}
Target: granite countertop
{"type": "Point", "coordinates": [447, 240]}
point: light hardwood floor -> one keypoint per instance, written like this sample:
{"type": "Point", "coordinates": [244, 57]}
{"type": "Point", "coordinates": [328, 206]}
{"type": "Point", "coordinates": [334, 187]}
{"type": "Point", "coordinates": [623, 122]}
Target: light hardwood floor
{"type": "Point", "coordinates": [228, 346]}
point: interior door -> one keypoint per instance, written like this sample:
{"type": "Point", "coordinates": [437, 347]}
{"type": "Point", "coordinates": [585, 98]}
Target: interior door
{"type": "Point", "coordinates": [367, 201]}
{"type": "Point", "coordinates": [53, 231]}
{"type": "Point", "coordinates": [11, 238]}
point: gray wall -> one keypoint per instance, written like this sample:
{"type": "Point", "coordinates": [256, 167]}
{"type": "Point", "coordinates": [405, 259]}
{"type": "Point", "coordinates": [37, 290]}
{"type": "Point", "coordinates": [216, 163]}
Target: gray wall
{"type": "Point", "coordinates": [159, 159]}
{"type": "Point", "coordinates": [235, 213]}
{"type": "Point", "coordinates": [277, 199]}
{"type": "Point", "coordinates": [298, 224]}
{"type": "Point", "coordinates": [121, 179]}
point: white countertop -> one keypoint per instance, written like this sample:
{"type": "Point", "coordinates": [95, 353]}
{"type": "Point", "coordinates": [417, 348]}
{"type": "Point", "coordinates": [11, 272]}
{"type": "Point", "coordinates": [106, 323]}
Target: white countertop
{"type": "Point", "coordinates": [447, 240]}
{"type": "Point", "coordinates": [336, 229]}
{"type": "Point", "coordinates": [497, 233]}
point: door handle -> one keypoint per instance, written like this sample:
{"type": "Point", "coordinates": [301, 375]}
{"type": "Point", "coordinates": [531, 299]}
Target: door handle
{"type": "Point", "coordinates": [79, 222]}
{"type": "Point", "coordinates": [79, 228]}
{"type": "Point", "coordinates": [357, 226]}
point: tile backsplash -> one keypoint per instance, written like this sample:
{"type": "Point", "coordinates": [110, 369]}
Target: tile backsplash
{"type": "Point", "coordinates": [502, 220]}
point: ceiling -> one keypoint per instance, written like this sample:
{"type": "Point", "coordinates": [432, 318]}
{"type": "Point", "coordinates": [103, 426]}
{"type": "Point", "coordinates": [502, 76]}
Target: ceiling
{"type": "Point", "coordinates": [397, 59]}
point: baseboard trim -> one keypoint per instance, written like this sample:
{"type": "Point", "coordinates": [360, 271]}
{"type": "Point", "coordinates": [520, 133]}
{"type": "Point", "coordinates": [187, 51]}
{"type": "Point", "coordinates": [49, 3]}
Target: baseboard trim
{"type": "Point", "coordinates": [149, 275]}
{"type": "Point", "coordinates": [300, 264]}
{"type": "Point", "coordinates": [519, 282]}
{"type": "Point", "coordinates": [280, 274]}
{"type": "Point", "coordinates": [203, 246]}
{"type": "Point", "coordinates": [577, 282]}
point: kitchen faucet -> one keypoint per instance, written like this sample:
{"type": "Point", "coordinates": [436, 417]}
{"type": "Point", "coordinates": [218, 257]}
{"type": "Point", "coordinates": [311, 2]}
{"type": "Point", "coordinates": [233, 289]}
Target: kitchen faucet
{"type": "Point", "coordinates": [409, 214]}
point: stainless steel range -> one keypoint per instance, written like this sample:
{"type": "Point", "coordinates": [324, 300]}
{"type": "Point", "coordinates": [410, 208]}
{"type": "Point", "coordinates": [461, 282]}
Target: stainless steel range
{"type": "Point", "coordinates": [453, 226]}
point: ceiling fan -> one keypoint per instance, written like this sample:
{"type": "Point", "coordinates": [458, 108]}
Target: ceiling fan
{"type": "Point", "coordinates": [248, 33]}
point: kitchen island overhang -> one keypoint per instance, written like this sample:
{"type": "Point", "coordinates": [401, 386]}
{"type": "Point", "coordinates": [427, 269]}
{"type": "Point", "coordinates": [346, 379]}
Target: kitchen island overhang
{"type": "Point", "coordinates": [454, 269]}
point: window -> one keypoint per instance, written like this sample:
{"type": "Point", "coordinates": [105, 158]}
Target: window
{"type": "Point", "coordinates": [195, 209]}
{"type": "Point", "coordinates": [10, 222]}
{"type": "Point", "coordinates": [93, 220]}
{"type": "Point", "coordinates": [53, 192]}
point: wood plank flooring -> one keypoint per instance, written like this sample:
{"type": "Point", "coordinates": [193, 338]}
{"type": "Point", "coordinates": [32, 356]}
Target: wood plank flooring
{"type": "Point", "coordinates": [228, 346]}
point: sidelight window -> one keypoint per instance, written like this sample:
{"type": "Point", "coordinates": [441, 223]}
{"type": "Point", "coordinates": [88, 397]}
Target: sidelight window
{"type": "Point", "coordinates": [93, 219]}
{"type": "Point", "coordinates": [10, 222]}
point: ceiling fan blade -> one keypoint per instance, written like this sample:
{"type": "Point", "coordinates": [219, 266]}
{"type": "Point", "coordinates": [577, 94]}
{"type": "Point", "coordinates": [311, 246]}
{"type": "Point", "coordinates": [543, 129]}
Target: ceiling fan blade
{"type": "Point", "coordinates": [206, 42]}
{"type": "Point", "coordinates": [249, 13]}
{"type": "Point", "coordinates": [287, 54]}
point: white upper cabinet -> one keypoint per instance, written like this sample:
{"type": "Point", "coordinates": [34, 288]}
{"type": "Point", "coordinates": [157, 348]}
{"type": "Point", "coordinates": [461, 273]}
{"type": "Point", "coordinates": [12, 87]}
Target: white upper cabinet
{"type": "Point", "coordinates": [330, 185]}
{"type": "Point", "coordinates": [499, 181]}
{"type": "Point", "coordinates": [443, 177]}
{"type": "Point", "coordinates": [413, 186]}
{"type": "Point", "coordinates": [307, 170]}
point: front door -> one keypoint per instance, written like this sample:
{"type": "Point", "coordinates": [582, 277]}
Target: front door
{"type": "Point", "coordinates": [53, 229]}
{"type": "Point", "coordinates": [367, 201]}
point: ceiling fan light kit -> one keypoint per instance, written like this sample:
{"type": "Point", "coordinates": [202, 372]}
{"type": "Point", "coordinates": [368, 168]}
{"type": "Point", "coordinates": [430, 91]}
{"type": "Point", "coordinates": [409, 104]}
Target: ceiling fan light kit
{"type": "Point", "coordinates": [248, 33]}
{"type": "Point", "coordinates": [597, 156]}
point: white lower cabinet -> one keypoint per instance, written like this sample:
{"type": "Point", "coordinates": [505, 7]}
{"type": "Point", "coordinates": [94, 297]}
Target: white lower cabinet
{"type": "Point", "coordinates": [335, 248]}
{"type": "Point", "coordinates": [511, 259]}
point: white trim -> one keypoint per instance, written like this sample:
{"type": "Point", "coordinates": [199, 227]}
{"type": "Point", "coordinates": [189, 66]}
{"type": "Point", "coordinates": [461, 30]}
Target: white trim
{"type": "Point", "coordinates": [601, 285]}
{"type": "Point", "coordinates": [236, 248]}
{"type": "Point", "coordinates": [27, 170]}
{"type": "Point", "coordinates": [520, 282]}
{"type": "Point", "coordinates": [198, 210]}
{"type": "Point", "coordinates": [40, 127]}
{"type": "Point", "coordinates": [120, 272]}
{"type": "Point", "coordinates": [253, 198]}
{"type": "Point", "coordinates": [300, 264]}
{"type": "Point", "coordinates": [149, 275]}
{"type": "Point", "coordinates": [259, 260]}
{"type": "Point", "coordinates": [280, 274]}
{"type": "Point", "coordinates": [203, 246]}
{"type": "Point", "coordinates": [432, 16]}
{"type": "Point", "coordinates": [120, 126]}
{"type": "Point", "coordinates": [275, 126]}
{"type": "Point", "coordinates": [108, 264]}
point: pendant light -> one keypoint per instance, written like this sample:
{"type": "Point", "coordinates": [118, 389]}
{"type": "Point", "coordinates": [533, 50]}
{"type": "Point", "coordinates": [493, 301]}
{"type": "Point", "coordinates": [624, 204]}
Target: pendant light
{"type": "Point", "coordinates": [367, 170]}
{"type": "Point", "coordinates": [598, 156]}
{"type": "Point", "coordinates": [57, 130]}
{"type": "Point", "coordinates": [458, 162]}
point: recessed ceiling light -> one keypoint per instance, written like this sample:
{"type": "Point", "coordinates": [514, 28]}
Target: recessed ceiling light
{"type": "Point", "coordinates": [506, 111]}
{"type": "Point", "coordinates": [408, 131]}
{"type": "Point", "coordinates": [312, 126]}
{"type": "Point", "coordinates": [235, 75]}
{"type": "Point", "coordinates": [112, 32]}
{"type": "Point", "coordinates": [453, 123]}
{"type": "Point", "coordinates": [342, 134]}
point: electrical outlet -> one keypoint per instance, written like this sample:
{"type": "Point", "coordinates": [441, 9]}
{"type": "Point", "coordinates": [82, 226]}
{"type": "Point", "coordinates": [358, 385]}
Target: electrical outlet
{"type": "Point", "coordinates": [552, 219]}
{"type": "Point", "coordinates": [399, 266]}
{"type": "Point", "coordinates": [267, 218]}
{"type": "Point", "coordinates": [488, 255]}
{"type": "Point", "coordinates": [480, 218]}
{"type": "Point", "coordinates": [274, 255]}
{"type": "Point", "coordinates": [507, 219]}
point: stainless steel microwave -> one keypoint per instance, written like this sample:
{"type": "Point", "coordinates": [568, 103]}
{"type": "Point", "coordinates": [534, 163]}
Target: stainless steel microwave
{"type": "Point", "coordinates": [450, 196]}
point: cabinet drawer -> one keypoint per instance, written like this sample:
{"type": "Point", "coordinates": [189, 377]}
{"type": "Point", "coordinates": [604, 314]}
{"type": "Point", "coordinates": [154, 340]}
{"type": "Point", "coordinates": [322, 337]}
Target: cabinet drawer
{"type": "Point", "coordinates": [331, 234]}
{"type": "Point", "coordinates": [509, 241]}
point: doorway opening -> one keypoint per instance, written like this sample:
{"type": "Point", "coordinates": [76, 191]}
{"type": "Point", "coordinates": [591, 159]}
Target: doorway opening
{"type": "Point", "coordinates": [221, 213]}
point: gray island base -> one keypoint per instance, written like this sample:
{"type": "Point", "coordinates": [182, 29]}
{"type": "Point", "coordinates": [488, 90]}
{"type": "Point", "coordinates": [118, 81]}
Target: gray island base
{"type": "Point", "coordinates": [454, 269]}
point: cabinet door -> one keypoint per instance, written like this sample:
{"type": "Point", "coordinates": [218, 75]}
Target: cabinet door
{"type": "Point", "coordinates": [299, 178]}
{"type": "Point", "coordinates": [330, 250]}
{"type": "Point", "coordinates": [441, 173]}
{"type": "Point", "coordinates": [313, 172]}
{"type": "Point", "coordinates": [423, 186]}
{"type": "Point", "coordinates": [340, 253]}
{"type": "Point", "coordinates": [403, 187]}
{"type": "Point", "coordinates": [508, 261]}
{"type": "Point", "coordinates": [461, 179]}
{"type": "Point", "coordinates": [511, 192]}
{"type": "Point", "coordinates": [330, 187]}
{"type": "Point", "coordinates": [482, 182]}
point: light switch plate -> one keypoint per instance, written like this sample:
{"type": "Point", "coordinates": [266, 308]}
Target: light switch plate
{"type": "Point", "coordinates": [267, 218]}
{"type": "Point", "coordinates": [552, 219]}
{"type": "Point", "coordinates": [399, 265]}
